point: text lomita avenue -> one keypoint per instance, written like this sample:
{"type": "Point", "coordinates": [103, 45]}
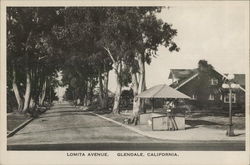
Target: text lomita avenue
{"type": "Point", "coordinates": [87, 154]}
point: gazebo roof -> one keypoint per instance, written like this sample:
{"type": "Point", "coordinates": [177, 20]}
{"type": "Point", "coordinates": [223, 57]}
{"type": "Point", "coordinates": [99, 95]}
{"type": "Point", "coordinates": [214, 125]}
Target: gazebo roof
{"type": "Point", "coordinates": [162, 91]}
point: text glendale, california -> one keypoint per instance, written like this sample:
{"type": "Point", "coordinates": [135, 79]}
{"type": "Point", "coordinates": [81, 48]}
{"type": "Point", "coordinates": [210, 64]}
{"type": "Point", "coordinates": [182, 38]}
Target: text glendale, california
{"type": "Point", "coordinates": [139, 154]}
{"type": "Point", "coordinates": [147, 154]}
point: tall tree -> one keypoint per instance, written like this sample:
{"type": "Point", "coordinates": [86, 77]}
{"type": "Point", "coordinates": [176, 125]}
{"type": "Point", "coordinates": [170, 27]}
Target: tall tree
{"type": "Point", "coordinates": [124, 37]}
{"type": "Point", "coordinates": [154, 32]}
{"type": "Point", "coordinates": [28, 36]}
{"type": "Point", "coordinates": [137, 37]}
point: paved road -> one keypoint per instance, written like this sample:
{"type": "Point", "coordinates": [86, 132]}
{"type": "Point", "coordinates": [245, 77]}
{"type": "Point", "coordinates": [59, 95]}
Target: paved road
{"type": "Point", "coordinates": [65, 128]}
{"type": "Point", "coordinates": [64, 124]}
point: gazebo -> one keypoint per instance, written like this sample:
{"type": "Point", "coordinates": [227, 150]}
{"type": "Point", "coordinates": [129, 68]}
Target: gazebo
{"type": "Point", "coordinates": [162, 91]}
{"type": "Point", "coordinates": [159, 121]}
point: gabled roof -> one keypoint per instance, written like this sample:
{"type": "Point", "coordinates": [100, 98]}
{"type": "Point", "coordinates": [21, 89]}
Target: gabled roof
{"type": "Point", "coordinates": [182, 73]}
{"type": "Point", "coordinates": [186, 80]}
{"type": "Point", "coordinates": [162, 91]}
{"type": "Point", "coordinates": [183, 76]}
{"type": "Point", "coordinates": [186, 75]}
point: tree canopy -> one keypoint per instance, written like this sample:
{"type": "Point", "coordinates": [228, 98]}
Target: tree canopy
{"type": "Point", "coordinates": [85, 43]}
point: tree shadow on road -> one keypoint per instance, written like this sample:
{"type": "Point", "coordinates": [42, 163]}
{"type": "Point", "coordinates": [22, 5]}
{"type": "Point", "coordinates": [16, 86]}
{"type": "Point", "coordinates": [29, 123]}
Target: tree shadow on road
{"type": "Point", "coordinates": [190, 127]}
{"type": "Point", "coordinates": [239, 134]}
{"type": "Point", "coordinates": [194, 123]}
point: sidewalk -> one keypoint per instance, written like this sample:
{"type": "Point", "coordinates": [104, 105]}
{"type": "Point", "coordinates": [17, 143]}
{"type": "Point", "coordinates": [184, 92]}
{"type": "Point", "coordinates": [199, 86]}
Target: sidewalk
{"type": "Point", "coordinates": [193, 134]}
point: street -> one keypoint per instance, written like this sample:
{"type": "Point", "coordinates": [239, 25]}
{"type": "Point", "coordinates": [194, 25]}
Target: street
{"type": "Point", "coordinates": [65, 128]}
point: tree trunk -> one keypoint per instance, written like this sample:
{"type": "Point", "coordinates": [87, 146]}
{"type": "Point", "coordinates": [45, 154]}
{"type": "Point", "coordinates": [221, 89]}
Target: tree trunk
{"type": "Point", "coordinates": [32, 103]}
{"type": "Point", "coordinates": [118, 89]}
{"type": "Point", "coordinates": [103, 93]}
{"type": "Point", "coordinates": [91, 91]}
{"type": "Point", "coordinates": [143, 108]}
{"type": "Point", "coordinates": [16, 92]}
{"type": "Point", "coordinates": [43, 93]}
{"type": "Point", "coordinates": [137, 102]}
{"type": "Point", "coordinates": [87, 96]}
{"type": "Point", "coordinates": [117, 65]}
{"type": "Point", "coordinates": [105, 90]}
{"type": "Point", "coordinates": [85, 101]}
{"type": "Point", "coordinates": [135, 87]}
{"type": "Point", "coordinates": [27, 92]}
{"type": "Point", "coordinates": [37, 82]}
{"type": "Point", "coordinates": [28, 78]}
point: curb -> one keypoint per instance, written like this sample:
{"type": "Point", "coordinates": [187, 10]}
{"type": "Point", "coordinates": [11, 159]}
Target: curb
{"type": "Point", "coordinates": [156, 137]}
{"type": "Point", "coordinates": [19, 127]}
{"type": "Point", "coordinates": [126, 126]}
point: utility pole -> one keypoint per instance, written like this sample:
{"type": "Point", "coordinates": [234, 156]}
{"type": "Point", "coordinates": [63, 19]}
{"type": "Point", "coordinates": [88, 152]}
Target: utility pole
{"type": "Point", "coordinates": [230, 131]}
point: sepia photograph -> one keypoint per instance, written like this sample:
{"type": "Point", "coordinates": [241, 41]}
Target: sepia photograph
{"type": "Point", "coordinates": [138, 80]}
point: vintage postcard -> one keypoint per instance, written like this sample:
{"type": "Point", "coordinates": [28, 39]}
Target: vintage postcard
{"type": "Point", "coordinates": [124, 82]}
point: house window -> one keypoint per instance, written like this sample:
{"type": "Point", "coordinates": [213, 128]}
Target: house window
{"type": "Point", "coordinates": [213, 81]}
{"type": "Point", "coordinates": [211, 97]}
{"type": "Point", "coordinates": [226, 98]}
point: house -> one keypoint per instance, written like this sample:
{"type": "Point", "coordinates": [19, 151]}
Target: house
{"type": "Point", "coordinates": [207, 90]}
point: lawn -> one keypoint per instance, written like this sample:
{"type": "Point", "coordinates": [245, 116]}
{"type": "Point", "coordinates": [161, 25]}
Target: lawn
{"type": "Point", "coordinates": [216, 122]}
{"type": "Point", "coordinates": [14, 120]}
{"type": "Point", "coordinates": [196, 120]}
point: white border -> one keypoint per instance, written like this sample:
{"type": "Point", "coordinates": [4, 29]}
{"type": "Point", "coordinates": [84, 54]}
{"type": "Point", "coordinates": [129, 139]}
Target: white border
{"type": "Point", "coordinates": [59, 157]}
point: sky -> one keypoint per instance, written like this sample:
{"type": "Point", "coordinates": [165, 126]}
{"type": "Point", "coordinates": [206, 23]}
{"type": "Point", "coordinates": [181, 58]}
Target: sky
{"type": "Point", "coordinates": [216, 33]}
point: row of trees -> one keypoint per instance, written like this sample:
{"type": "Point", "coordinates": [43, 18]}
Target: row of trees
{"type": "Point", "coordinates": [86, 43]}
{"type": "Point", "coordinates": [31, 54]}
